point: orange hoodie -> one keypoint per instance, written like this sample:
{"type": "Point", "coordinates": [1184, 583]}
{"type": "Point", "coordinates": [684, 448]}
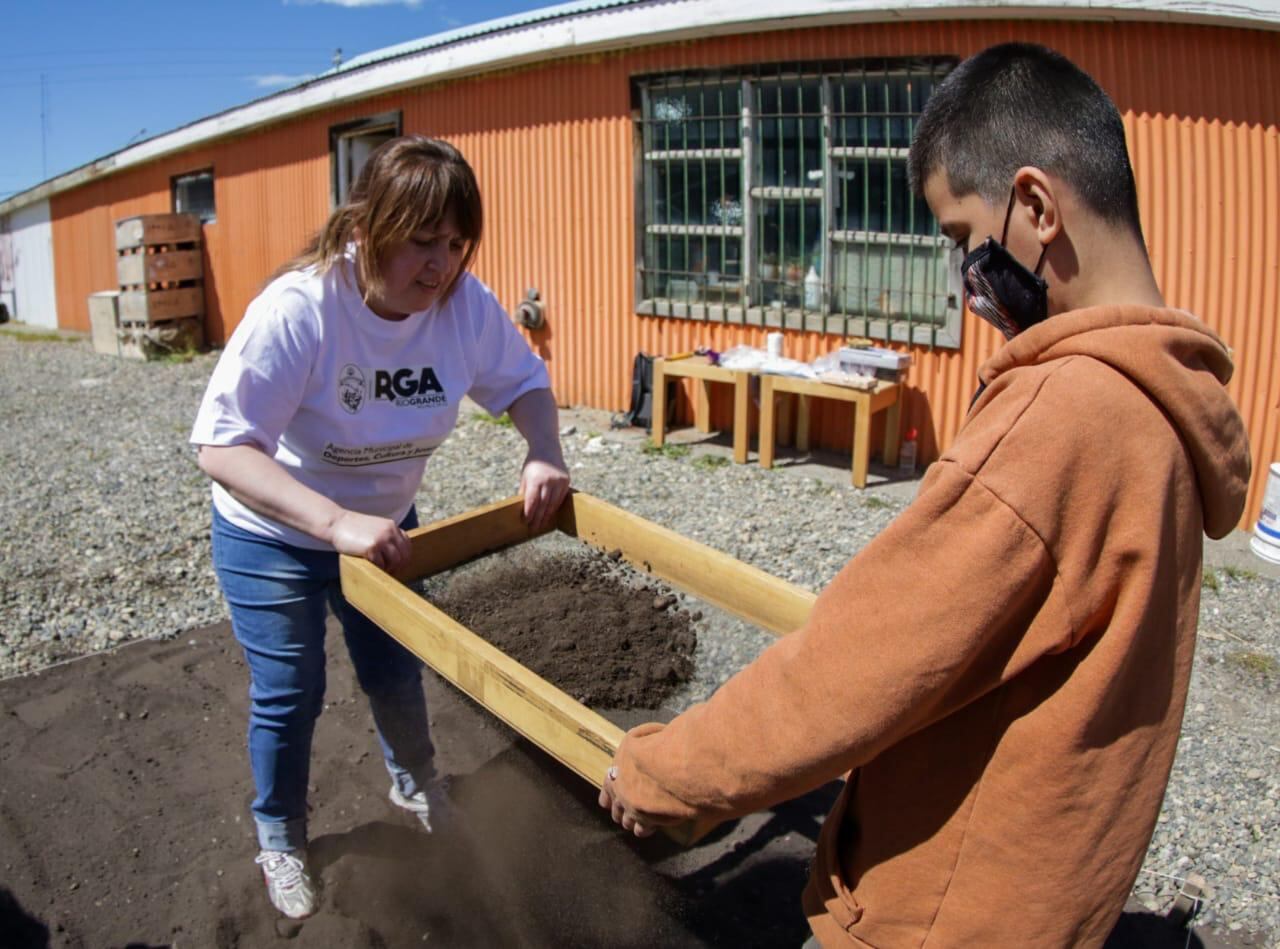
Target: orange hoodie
{"type": "Point", "coordinates": [1004, 668]}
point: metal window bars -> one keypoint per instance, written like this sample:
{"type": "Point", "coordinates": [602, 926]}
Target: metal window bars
{"type": "Point", "coordinates": [778, 196]}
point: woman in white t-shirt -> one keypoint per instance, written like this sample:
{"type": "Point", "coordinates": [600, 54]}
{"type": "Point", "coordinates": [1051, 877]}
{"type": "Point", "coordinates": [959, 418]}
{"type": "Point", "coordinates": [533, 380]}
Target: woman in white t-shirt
{"type": "Point", "coordinates": [344, 376]}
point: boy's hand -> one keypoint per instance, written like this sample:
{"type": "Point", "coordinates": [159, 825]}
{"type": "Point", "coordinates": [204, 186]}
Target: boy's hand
{"type": "Point", "coordinates": [545, 485]}
{"type": "Point", "coordinates": [612, 800]}
{"type": "Point", "coordinates": [378, 540]}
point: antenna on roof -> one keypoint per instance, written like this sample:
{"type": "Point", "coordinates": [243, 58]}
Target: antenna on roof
{"type": "Point", "coordinates": [337, 57]}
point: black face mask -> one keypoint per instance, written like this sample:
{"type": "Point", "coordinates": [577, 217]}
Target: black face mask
{"type": "Point", "coordinates": [1002, 291]}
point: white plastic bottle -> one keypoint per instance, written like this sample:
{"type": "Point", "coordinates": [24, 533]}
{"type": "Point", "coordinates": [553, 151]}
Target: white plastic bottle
{"type": "Point", "coordinates": [812, 289]}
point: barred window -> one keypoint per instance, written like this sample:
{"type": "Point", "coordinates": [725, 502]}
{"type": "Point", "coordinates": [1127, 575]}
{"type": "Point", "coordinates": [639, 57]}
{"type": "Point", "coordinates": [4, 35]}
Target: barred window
{"type": "Point", "coordinates": [779, 197]}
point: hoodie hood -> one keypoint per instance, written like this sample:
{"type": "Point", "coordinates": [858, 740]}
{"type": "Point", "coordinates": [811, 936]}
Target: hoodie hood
{"type": "Point", "coordinates": [1181, 365]}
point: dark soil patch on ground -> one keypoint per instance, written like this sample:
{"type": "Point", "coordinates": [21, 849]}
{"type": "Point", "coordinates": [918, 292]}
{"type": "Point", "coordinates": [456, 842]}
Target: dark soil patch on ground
{"type": "Point", "coordinates": [124, 821]}
{"type": "Point", "coordinates": [585, 621]}
{"type": "Point", "coordinates": [124, 814]}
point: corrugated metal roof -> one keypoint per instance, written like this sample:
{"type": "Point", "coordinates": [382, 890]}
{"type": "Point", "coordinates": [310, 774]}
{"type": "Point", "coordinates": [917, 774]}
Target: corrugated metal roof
{"type": "Point", "coordinates": [514, 21]}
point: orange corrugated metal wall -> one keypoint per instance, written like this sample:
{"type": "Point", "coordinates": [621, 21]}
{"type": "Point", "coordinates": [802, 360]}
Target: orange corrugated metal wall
{"type": "Point", "coordinates": [553, 148]}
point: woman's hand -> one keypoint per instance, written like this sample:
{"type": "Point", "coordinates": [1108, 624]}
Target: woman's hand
{"type": "Point", "coordinates": [545, 485]}
{"type": "Point", "coordinates": [378, 540]}
{"type": "Point", "coordinates": [544, 478]}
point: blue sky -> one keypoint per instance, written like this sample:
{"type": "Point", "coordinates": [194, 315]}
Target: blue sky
{"type": "Point", "coordinates": [105, 74]}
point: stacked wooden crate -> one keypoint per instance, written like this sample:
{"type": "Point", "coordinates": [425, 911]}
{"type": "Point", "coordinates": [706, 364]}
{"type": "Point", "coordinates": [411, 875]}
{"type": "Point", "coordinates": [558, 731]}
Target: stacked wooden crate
{"type": "Point", "coordinates": [161, 275]}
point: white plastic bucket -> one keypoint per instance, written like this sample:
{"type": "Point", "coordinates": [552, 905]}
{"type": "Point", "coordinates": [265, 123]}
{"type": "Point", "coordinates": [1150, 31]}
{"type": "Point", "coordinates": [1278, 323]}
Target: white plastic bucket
{"type": "Point", "coordinates": [1266, 533]}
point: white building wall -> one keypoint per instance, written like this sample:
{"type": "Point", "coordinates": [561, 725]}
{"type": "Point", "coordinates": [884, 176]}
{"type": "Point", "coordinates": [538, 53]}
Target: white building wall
{"type": "Point", "coordinates": [26, 265]}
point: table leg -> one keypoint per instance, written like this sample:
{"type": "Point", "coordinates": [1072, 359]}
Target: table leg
{"type": "Point", "coordinates": [766, 421]}
{"type": "Point", "coordinates": [802, 424]}
{"type": "Point", "coordinates": [702, 405]}
{"type": "Point", "coordinates": [741, 426]}
{"type": "Point", "coordinates": [783, 419]}
{"type": "Point", "coordinates": [861, 441]}
{"type": "Point", "coordinates": [658, 404]}
{"type": "Point", "coordinates": [892, 432]}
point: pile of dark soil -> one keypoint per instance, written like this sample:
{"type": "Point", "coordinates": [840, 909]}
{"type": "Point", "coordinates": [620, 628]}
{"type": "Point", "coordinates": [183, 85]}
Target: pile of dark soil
{"type": "Point", "coordinates": [608, 635]}
{"type": "Point", "coordinates": [124, 821]}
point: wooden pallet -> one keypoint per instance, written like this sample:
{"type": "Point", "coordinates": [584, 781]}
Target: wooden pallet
{"type": "Point", "coordinates": [156, 229]}
{"type": "Point", "coordinates": [159, 268]}
{"type": "Point", "coordinates": [576, 736]}
{"type": "Point", "coordinates": [159, 303]}
{"type": "Point", "coordinates": [144, 266]}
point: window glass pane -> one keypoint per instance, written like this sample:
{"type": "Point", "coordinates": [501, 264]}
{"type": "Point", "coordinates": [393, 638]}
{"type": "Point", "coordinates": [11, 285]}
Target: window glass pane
{"type": "Point", "coordinates": [876, 111]}
{"type": "Point", "coordinates": [789, 133]}
{"type": "Point", "coordinates": [706, 191]}
{"type": "Point", "coordinates": [875, 194]}
{"type": "Point", "coordinates": [696, 116]}
{"type": "Point", "coordinates": [890, 281]}
{"type": "Point", "coordinates": [353, 152]}
{"type": "Point", "coordinates": [193, 194]}
{"type": "Point", "coordinates": [694, 269]}
{"type": "Point", "coordinates": [790, 242]}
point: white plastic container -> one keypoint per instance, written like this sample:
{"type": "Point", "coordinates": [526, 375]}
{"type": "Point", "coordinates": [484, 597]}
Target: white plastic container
{"type": "Point", "coordinates": [812, 290]}
{"type": "Point", "coordinates": [1266, 533]}
{"type": "Point", "coordinates": [774, 343]}
{"type": "Point", "coordinates": [874, 357]}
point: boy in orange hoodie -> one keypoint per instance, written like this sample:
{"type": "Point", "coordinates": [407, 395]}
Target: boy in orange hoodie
{"type": "Point", "coordinates": [1001, 674]}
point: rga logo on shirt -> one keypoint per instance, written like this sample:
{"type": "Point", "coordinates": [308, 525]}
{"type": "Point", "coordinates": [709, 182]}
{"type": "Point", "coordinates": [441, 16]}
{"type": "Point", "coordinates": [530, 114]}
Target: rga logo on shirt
{"type": "Point", "coordinates": [404, 387]}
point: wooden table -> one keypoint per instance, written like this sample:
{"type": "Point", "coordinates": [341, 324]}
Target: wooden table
{"type": "Point", "coordinates": [885, 397]}
{"type": "Point", "coordinates": [700, 369]}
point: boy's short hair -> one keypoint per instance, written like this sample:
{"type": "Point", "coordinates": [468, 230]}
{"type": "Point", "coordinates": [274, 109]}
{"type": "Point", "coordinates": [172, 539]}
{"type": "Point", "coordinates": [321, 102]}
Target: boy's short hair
{"type": "Point", "coordinates": [1022, 104]}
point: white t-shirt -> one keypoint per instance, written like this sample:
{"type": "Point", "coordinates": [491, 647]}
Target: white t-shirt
{"type": "Point", "coordinates": [353, 405]}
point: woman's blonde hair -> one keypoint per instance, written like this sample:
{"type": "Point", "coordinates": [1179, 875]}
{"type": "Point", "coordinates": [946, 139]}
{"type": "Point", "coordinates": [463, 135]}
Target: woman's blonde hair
{"type": "Point", "coordinates": [407, 185]}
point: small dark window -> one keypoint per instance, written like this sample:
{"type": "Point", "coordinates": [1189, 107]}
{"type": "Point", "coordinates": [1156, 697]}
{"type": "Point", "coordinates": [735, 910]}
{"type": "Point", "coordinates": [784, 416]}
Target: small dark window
{"type": "Point", "coordinates": [351, 144]}
{"type": "Point", "coordinates": [193, 194]}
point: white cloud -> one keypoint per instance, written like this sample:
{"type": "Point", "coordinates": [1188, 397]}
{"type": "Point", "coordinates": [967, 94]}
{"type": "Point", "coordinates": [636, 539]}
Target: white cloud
{"type": "Point", "coordinates": [354, 3]}
{"type": "Point", "coordinates": [276, 80]}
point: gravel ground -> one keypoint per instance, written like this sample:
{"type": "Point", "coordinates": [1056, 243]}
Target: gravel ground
{"type": "Point", "coordinates": [105, 519]}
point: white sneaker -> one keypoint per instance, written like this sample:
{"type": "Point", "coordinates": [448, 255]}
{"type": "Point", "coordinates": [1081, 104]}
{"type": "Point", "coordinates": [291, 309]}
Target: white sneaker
{"type": "Point", "coordinates": [288, 882]}
{"type": "Point", "coordinates": [426, 805]}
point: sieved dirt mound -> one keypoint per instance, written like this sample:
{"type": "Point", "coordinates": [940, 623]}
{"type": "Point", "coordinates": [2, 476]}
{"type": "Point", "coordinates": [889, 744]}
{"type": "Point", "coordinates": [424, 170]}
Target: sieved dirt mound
{"type": "Point", "coordinates": [606, 634]}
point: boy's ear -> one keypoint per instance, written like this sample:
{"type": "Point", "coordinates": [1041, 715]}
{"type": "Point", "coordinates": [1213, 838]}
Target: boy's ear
{"type": "Point", "coordinates": [1038, 197]}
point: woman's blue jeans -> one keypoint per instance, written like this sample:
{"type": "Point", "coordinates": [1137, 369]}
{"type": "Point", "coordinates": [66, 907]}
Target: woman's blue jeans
{"type": "Point", "coordinates": [277, 595]}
